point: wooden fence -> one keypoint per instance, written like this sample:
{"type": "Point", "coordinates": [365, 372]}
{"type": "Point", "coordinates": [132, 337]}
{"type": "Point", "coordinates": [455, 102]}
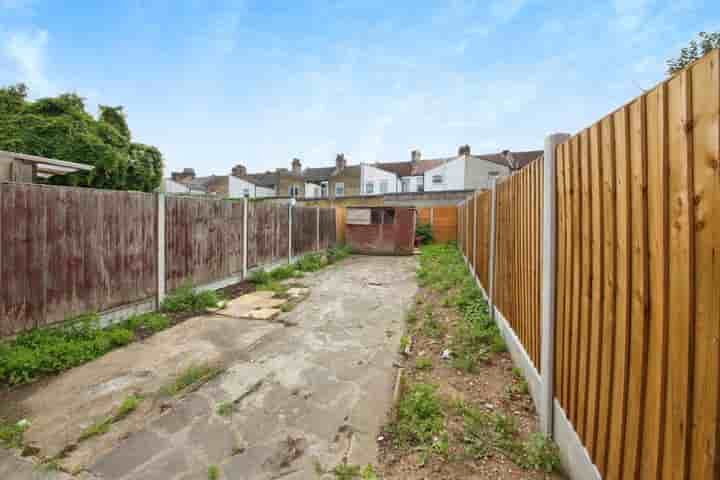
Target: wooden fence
{"type": "Point", "coordinates": [443, 221]}
{"type": "Point", "coordinates": [636, 351]}
{"type": "Point", "coordinates": [69, 251]}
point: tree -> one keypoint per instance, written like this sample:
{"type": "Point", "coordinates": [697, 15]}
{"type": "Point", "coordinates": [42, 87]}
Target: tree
{"type": "Point", "coordinates": [695, 50]}
{"type": "Point", "coordinates": [60, 127]}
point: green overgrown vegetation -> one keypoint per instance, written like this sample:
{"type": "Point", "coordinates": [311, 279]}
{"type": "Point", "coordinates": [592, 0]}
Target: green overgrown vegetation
{"type": "Point", "coordinates": [11, 434]}
{"type": "Point", "coordinates": [213, 472]}
{"type": "Point", "coordinates": [424, 232]}
{"type": "Point", "coordinates": [354, 472]}
{"type": "Point", "coordinates": [311, 262]}
{"type": "Point", "coordinates": [60, 127]}
{"type": "Point", "coordinates": [442, 269]}
{"type": "Point", "coordinates": [47, 351]}
{"type": "Point", "coordinates": [420, 416]}
{"type": "Point", "coordinates": [423, 363]}
{"type": "Point", "coordinates": [193, 376]}
{"type": "Point", "coordinates": [187, 300]}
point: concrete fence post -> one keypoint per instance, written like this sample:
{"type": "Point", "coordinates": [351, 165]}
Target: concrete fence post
{"type": "Point", "coordinates": [549, 262]}
{"type": "Point", "coordinates": [473, 261]}
{"type": "Point", "coordinates": [290, 227]}
{"type": "Point", "coordinates": [161, 246]}
{"type": "Point", "coordinates": [317, 235]}
{"type": "Point", "coordinates": [245, 238]}
{"type": "Point", "coordinates": [491, 254]}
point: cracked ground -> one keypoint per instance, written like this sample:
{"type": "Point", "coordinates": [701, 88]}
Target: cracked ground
{"type": "Point", "coordinates": [301, 394]}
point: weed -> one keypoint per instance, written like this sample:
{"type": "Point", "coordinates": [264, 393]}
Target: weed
{"type": "Point", "coordinates": [338, 253]}
{"type": "Point", "coordinates": [311, 262]}
{"type": "Point", "coordinates": [11, 435]}
{"type": "Point", "coordinates": [346, 472]}
{"type": "Point", "coordinates": [420, 416]}
{"type": "Point", "coordinates": [129, 405]}
{"type": "Point", "coordinates": [152, 322]}
{"type": "Point", "coordinates": [433, 328]}
{"type": "Point", "coordinates": [100, 427]}
{"type": "Point", "coordinates": [404, 343]}
{"type": "Point", "coordinates": [368, 473]}
{"type": "Point", "coordinates": [259, 277]}
{"type": "Point", "coordinates": [539, 453]}
{"type": "Point", "coordinates": [213, 472]}
{"type": "Point", "coordinates": [192, 376]}
{"type": "Point", "coordinates": [186, 300]}
{"type": "Point", "coordinates": [225, 409]}
{"type": "Point", "coordinates": [425, 232]}
{"type": "Point", "coordinates": [411, 317]}
{"type": "Point", "coordinates": [423, 363]}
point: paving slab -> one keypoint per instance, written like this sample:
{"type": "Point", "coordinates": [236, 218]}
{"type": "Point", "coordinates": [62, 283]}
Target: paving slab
{"type": "Point", "coordinates": [315, 393]}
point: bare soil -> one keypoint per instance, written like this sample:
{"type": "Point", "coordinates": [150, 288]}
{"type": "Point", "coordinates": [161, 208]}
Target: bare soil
{"type": "Point", "coordinates": [493, 387]}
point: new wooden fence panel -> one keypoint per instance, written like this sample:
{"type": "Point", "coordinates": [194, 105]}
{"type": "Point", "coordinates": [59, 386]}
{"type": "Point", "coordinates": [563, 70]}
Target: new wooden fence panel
{"type": "Point", "coordinates": [204, 240]}
{"type": "Point", "coordinates": [69, 251]}
{"type": "Point", "coordinates": [647, 328]}
{"type": "Point", "coordinates": [482, 224]}
{"type": "Point", "coordinates": [518, 252]}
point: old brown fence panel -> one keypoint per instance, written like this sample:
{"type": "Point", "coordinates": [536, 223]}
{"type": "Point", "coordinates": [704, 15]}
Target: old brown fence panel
{"type": "Point", "coordinates": [304, 228]}
{"type": "Point", "coordinates": [68, 251]}
{"type": "Point", "coordinates": [638, 357]}
{"type": "Point", "coordinates": [268, 233]}
{"type": "Point", "coordinates": [443, 220]}
{"type": "Point", "coordinates": [204, 240]}
{"type": "Point", "coordinates": [328, 230]}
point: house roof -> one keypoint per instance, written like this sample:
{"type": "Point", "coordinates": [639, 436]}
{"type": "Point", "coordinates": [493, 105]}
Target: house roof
{"type": "Point", "coordinates": [47, 167]}
{"type": "Point", "coordinates": [267, 179]}
{"type": "Point", "coordinates": [409, 169]}
{"type": "Point", "coordinates": [520, 158]}
{"type": "Point", "coordinates": [318, 174]}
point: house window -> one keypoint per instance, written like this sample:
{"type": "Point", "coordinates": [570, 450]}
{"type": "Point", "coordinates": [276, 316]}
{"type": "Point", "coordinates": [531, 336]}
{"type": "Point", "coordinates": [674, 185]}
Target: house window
{"type": "Point", "coordinates": [405, 185]}
{"type": "Point", "coordinates": [420, 184]}
{"type": "Point", "coordinates": [437, 179]}
{"type": "Point", "coordinates": [246, 192]}
{"type": "Point", "coordinates": [494, 173]}
{"type": "Point", "coordinates": [324, 189]}
{"type": "Point", "coordinates": [339, 189]}
{"type": "Point", "coordinates": [369, 187]}
{"type": "Point", "coordinates": [383, 186]}
{"type": "Point", "coordinates": [293, 191]}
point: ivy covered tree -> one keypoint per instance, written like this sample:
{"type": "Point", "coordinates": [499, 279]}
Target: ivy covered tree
{"type": "Point", "coordinates": [60, 127]}
{"type": "Point", "coordinates": [695, 50]}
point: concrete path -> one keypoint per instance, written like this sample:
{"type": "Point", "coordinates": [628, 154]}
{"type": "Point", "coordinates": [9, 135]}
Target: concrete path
{"type": "Point", "coordinates": [306, 394]}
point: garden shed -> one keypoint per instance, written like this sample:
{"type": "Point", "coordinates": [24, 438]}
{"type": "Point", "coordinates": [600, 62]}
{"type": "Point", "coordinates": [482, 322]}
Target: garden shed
{"type": "Point", "coordinates": [381, 230]}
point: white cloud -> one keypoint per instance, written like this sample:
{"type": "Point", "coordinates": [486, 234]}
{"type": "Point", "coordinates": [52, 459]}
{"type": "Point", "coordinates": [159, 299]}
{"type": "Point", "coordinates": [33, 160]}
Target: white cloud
{"type": "Point", "coordinates": [27, 51]}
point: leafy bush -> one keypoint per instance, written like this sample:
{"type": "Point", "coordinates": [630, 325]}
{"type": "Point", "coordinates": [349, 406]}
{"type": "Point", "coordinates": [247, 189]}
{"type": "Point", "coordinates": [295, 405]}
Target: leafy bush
{"type": "Point", "coordinates": [186, 300]}
{"type": "Point", "coordinates": [338, 252]}
{"type": "Point", "coordinates": [11, 435]}
{"type": "Point", "coordinates": [424, 232]}
{"type": "Point", "coordinates": [311, 262]}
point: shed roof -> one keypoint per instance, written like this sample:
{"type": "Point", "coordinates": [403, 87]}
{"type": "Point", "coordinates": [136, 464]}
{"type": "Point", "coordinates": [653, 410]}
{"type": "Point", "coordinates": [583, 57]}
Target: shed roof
{"type": "Point", "coordinates": [47, 167]}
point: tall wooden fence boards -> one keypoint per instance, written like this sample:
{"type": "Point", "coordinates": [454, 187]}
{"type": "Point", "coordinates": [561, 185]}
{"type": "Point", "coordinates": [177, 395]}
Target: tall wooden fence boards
{"type": "Point", "coordinates": [68, 251]}
{"type": "Point", "coordinates": [637, 278]}
{"type": "Point", "coordinates": [638, 365]}
{"type": "Point", "coordinates": [442, 219]}
{"type": "Point", "coordinates": [204, 239]}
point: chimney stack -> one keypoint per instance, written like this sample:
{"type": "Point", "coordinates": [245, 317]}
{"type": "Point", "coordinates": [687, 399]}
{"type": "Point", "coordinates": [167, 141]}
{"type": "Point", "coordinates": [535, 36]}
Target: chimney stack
{"type": "Point", "coordinates": [415, 156]}
{"type": "Point", "coordinates": [296, 167]}
{"type": "Point", "coordinates": [239, 171]}
{"type": "Point", "coordinates": [464, 150]}
{"type": "Point", "coordinates": [340, 162]}
{"type": "Point", "coordinates": [509, 158]}
{"type": "Point", "coordinates": [186, 176]}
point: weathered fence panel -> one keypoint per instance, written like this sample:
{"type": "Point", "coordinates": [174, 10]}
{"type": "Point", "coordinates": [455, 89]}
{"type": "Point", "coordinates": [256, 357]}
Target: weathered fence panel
{"type": "Point", "coordinates": [304, 228]}
{"type": "Point", "coordinates": [68, 251]}
{"type": "Point", "coordinates": [268, 233]}
{"type": "Point", "coordinates": [204, 240]}
{"type": "Point", "coordinates": [328, 230]}
{"type": "Point", "coordinates": [443, 220]}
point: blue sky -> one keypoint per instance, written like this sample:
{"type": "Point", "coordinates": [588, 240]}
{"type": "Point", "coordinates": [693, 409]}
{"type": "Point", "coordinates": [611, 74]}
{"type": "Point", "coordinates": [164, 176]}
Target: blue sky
{"type": "Point", "coordinates": [213, 84]}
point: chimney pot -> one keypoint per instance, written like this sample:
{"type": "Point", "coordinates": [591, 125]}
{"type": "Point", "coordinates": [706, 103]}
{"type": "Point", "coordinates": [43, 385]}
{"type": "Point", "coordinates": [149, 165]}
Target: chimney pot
{"type": "Point", "coordinates": [415, 156]}
{"type": "Point", "coordinates": [239, 170]}
{"type": "Point", "coordinates": [464, 150]}
{"type": "Point", "coordinates": [296, 167]}
{"type": "Point", "coordinates": [340, 161]}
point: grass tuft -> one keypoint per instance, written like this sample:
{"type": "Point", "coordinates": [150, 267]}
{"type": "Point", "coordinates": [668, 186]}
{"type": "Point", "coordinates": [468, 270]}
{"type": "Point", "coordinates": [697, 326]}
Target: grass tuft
{"type": "Point", "coordinates": [186, 300]}
{"type": "Point", "coordinates": [192, 376]}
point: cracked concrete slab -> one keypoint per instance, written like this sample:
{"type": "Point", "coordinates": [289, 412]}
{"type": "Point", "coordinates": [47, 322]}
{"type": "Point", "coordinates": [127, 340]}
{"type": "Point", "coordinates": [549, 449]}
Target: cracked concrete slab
{"type": "Point", "coordinates": [314, 394]}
